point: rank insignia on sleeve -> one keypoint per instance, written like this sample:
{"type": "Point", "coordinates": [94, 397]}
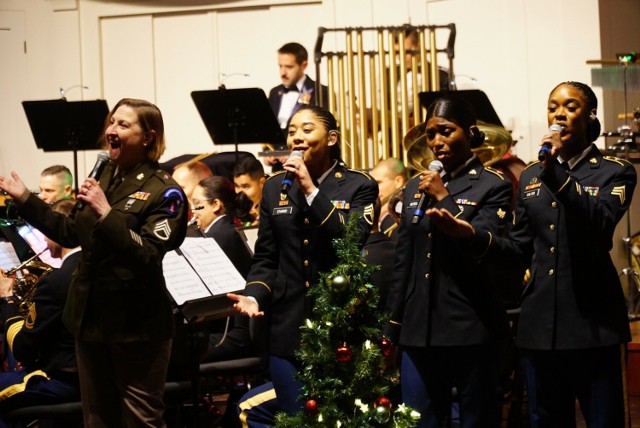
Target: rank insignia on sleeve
{"type": "Point", "coordinates": [619, 192]}
{"type": "Point", "coordinates": [142, 196]}
{"type": "Point", "coordinates": [341, 205]}
{"type": "Point", "coordinates": [162, 230]}
{"type": "Point", "coordinates": [368, 214]}
{"type": "Point", "coordinates": [501, 213]}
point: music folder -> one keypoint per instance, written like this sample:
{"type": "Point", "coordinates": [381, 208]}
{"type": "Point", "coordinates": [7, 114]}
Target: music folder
{"type": "Point", "coordinates": [198, 277]}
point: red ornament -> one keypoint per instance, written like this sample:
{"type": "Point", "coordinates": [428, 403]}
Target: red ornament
{"type": "Point", "coordinates": [386, 346]}
{"type": "Point", "coordinates": [344, 354]}
{"type": "Point", "coordinates": [311, 407]}
{"type": "Point", "coordinates": [383, 401]}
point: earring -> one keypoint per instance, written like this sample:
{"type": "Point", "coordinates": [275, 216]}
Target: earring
{"type": "Point", "coordinates": [592, 116]}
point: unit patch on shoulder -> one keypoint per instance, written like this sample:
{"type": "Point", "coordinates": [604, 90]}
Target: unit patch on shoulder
{"type": "Point", "coordinates": [174, 196]}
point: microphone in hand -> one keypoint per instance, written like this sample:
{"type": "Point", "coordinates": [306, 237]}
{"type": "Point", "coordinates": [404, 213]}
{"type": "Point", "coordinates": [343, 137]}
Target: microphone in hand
{"type": "Point", "coordinates": [289, 176]}
{"type": "Point", "coordinates": [436, 166]}
{"type": "Point", "coordinates": [545, 149]}
{"type": "Point", "coordinates": [96, 172]}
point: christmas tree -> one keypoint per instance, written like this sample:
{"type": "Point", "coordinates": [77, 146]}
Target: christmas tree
{"type": "Point", "coordinates": [346, 371]}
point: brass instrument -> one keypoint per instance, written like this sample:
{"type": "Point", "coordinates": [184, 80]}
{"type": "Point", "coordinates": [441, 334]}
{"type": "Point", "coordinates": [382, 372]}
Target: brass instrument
{"type": "Point", "coordinates": [497, 142]}
{"type": "Point", "coordinates": [373, 83]}
{"type": "Point", "coordinates": [25, 283]}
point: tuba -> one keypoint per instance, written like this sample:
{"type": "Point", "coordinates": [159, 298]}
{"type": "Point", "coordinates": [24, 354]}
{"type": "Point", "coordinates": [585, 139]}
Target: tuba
{"type": "Point", "coordinates": [26, 283]}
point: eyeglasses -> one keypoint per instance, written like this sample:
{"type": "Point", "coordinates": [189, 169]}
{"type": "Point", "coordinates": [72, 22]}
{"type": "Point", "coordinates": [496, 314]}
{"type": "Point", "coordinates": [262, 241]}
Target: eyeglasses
{"type": "Point", "coordinates": [197, 204]}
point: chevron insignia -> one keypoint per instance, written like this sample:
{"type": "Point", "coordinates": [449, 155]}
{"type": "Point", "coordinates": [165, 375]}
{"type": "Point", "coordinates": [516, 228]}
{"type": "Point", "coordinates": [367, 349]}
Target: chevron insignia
{"type": "Point", "coordinates": [368, 214]}
{"type": "Point", "coordinates": [619, 192]}
{"type": "Point", "coordinates": [162, 230]}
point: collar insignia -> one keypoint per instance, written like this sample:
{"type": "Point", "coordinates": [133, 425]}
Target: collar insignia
{"type": "Point", "coordinates": [140, 176]}
{"type": "Point", "coordinates": [593, 160]}
{"type": "Point", "coordinates": [501, 213]}
{"type": "Point", "coordinates": [473, 172]}
{"type": "Point", "coordinates": [339, 174]}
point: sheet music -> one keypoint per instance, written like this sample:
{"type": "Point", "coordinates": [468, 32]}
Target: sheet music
{"type": "Point", "coordinates": [213, 265]}
{"type": "Point", "coordinates": [8, 256]}
{"type": "Point", "coordinates": [182, 281]}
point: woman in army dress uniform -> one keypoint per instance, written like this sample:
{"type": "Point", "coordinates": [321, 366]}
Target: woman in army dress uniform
{"type": "Point", "coordinates": [118, 308]}
{"type": "Point", "coordinates": [295, 244]}
{"type": "Point", "coordinates": [573, 325]}
{"type": "Point", "coordinates": [445, 313]}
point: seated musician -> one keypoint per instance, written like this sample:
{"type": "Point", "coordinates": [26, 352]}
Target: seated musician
{"type": "Point", "coordinates": [248, 177]}
{"type": "Point", "coordinates": [38, 339]}
{"type": "Point", "coordinates": [56, 183]}
{"type": "Point", "coordinates": [216, 209]}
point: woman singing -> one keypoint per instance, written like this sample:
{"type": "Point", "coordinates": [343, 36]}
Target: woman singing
{"type": "Point", "coordinates": [118, 308]}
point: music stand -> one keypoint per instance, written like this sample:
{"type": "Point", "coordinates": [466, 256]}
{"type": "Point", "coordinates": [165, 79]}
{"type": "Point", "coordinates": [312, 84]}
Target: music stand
{"type": "Point", "coordinates": [477, 98]}
{"type": "Point", "coordinates": [238, 116]}
{"type": "Point", "coordinates": [61, 125]}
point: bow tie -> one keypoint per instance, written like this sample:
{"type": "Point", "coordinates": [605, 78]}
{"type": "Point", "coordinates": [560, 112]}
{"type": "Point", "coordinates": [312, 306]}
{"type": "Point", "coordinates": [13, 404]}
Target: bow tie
{"type": "Point", "coordinates": [293, 88]}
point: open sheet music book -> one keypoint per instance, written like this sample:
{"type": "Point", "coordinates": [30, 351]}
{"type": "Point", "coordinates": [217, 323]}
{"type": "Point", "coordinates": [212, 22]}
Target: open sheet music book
{"type": "Point", "coordinates": [199, 269]}
{"type": "Point", "coordinates": [8, 257]}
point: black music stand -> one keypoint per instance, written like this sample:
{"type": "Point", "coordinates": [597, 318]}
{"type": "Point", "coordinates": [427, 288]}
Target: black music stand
{"type": "Point", "coordinates": [238, 116]}
{"type": "Point", "coordinates": [61, 125]}
{"type": "Point", "coordinates": [478, 99]}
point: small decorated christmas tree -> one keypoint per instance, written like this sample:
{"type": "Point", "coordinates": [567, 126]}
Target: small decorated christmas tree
{"type": "Point", "coordinates": [346, 373]}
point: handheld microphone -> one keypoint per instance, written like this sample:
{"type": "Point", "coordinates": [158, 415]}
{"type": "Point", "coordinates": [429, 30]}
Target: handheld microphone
{"type": "Point", "coordinates": [287, 181]}
{"type": "Point", "coordinates": [96, 172]}
{"type": "Point", "coordinates": [545, 150]}
{"type": "Point", "coordinates": [436, 166]}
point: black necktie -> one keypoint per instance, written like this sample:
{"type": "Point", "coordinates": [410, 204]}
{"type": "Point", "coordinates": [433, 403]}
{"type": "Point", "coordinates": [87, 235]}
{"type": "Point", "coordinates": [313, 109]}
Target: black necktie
{"type": "Point", "coordinates": [293, 88]}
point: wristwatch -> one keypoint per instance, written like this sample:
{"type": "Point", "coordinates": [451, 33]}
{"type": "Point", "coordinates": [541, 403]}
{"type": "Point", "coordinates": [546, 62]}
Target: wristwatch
{"type": "Point", "coordinates": [7, 299]}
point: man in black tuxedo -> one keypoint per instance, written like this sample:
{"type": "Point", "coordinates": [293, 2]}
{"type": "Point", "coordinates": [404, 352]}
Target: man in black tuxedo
{"type": "Point", "coordinates": [296, 90]}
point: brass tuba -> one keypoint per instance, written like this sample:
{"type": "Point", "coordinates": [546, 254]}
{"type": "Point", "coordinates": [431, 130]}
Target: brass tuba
{"type": "Point", "coordinates": [26, 282]}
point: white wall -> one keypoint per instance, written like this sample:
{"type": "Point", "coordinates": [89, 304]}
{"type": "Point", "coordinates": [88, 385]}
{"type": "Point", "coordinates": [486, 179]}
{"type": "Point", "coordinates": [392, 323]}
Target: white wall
{"type": "Point", "coordinates": [161, 50]}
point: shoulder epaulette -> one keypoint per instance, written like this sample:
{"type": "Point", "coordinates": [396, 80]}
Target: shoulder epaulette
{"type": "Point", "coordinates": [494, 171]}
{"type": "Point", "coordinates": [275, 174]}
{"type": "Point", "coordinates": [360, 172]}
{"type": "Point", "coordinates": [619, 161]}
{"type": "Point", "coordinates": [531, 164]}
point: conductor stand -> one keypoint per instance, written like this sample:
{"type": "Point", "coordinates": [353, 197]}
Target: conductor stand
{"type": "Point", "coordinates": [60, 125]}
{"type": "Point", "coordinates": [238, 116]}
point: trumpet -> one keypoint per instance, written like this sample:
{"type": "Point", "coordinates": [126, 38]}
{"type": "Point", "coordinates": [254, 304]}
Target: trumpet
{"type": "Point", "coordinates": [25, 283]}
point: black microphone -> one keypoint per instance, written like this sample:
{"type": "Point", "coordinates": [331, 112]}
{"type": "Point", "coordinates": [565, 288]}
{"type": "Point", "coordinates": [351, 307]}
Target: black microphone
{"type": "Point", "coordinates": [436, 166]}
{"type": "Point", "coordinates": [545, 150]}
{"type": "Point", "coordinates": [289, 176]}
{"type": "Point", "coordinates": [96, 172]}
